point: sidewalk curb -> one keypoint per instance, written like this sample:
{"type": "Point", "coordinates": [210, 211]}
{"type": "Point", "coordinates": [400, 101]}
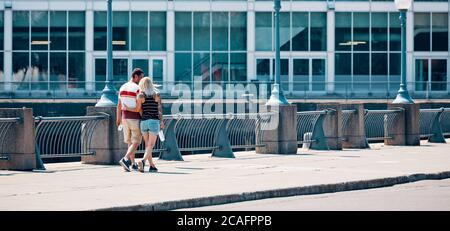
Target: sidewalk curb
{"type": "Point", "coordinates": [283, 192]}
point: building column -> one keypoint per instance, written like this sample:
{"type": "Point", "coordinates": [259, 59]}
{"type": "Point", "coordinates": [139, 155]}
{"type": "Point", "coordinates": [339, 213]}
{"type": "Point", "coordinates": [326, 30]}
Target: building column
{"type": "Point", "coordinates": [89, 40]}
{"type": "Point", "coordinates": [251, 40]}
{"type": "Point", "coordinates": [7, 46]}
{"type": "Point", "coordinates": [330, 51]}
{"type": "Point", "coordinates": [170, 44]}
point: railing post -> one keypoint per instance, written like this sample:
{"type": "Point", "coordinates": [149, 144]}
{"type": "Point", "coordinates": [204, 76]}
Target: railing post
{"type": "Point", "coordinates": [411, 124]}
{"type": "Point", "coordinates": [394, 129]}
{"type": "Point", "coordinates": [221, 140]}
{"type": "Point", "coordinates": [19, 148]}
{"type": "Point", "coordinates": [436, 130]}
{"type": "Point", "coordinates": [107, 141]}
{"type": "Point", "coordinates": [332, 125]}
{"type": "Point", "coordinates": [171, 151]}
{"type": "Point", "coordinates": [354, 132]}
{"type": "Point", "coordinates": [318, 135]}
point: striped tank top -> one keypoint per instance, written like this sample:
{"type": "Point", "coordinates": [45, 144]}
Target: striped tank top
{"type": "Point", "coordinates": [150, 108]}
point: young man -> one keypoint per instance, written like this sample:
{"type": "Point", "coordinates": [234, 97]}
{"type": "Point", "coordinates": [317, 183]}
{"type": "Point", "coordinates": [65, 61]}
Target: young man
{"type": "Point", "coordinates": [130, 120]}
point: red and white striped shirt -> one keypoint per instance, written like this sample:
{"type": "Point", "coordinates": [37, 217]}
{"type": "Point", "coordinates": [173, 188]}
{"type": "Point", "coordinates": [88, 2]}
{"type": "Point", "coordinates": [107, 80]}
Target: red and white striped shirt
{"type": "Point", "coordinates": [128, 95]}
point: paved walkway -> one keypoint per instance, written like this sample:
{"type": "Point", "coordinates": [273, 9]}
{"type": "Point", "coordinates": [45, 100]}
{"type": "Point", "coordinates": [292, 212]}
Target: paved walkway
{"type": "Point", "coordinates": [202, 180]}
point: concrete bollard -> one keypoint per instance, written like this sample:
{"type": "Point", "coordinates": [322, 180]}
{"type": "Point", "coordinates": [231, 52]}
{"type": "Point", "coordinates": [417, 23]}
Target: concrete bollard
{"type": "Point", "coordinates": [19, 148]}
{"type": "Point", "coordinates": [107, 141]}
{"type": "Point", "coordinates": [332, 125]}
{"type": "Point", "coordinates": [407, 130]}
{"type": "Point", "coordinates": [353, 131]}
{"type": "Point", "coordinates": [283, 138]}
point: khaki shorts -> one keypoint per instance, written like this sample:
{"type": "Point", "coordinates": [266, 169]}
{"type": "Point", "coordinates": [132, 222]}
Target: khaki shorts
{"type": "Point", "coordinates": [131, 131]}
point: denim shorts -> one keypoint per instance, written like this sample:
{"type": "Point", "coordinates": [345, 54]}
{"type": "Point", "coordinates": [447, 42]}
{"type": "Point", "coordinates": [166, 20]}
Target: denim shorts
{"type": "Point", "coordinates": [150, 125]}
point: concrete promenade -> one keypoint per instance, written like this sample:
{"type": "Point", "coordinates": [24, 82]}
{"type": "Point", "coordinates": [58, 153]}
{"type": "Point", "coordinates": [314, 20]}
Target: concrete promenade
{"type": "Point", "coordinates": [202, 180]}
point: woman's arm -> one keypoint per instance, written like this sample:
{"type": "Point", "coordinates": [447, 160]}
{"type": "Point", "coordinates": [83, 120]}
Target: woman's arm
{"type": "Point", "coordinates": [160, 112]}
{"type": "Point", "coordinates": [139, 101]}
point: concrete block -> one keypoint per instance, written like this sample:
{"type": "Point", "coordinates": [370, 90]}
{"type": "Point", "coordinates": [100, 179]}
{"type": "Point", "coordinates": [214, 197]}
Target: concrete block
{"type": "Point", "coordinates": [19, 146]}
{"type": "Point", "coordinates": [353, 132]}
{"type": "Point", "coordinates": [411, 126]}
{"type": "Point", "coordinates": [282, 139]}
{"type": "Point", "coordinates": [332, 125]}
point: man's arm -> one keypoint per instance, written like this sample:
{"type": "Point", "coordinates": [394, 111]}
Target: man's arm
{"type": "Point", "coordinates": [119, 113]}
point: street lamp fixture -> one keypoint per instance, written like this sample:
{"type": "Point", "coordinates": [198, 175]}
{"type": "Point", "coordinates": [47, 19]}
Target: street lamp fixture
{"type": "Point", "coordinates": [403, 95]}
{"type": "Point", "coordinates": [277, 96]}
{"type": "Point", "coordinates": [109, 94]}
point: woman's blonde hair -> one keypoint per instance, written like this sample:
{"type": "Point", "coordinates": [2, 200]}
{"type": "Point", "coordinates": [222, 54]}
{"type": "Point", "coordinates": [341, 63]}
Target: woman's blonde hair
{"type": "Point", "coordinates": [146, 85]}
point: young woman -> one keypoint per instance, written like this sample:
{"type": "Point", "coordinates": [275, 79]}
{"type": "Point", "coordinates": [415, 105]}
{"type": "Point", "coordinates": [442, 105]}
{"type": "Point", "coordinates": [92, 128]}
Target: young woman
{"type": "Point", "coordinates": [149, 105]}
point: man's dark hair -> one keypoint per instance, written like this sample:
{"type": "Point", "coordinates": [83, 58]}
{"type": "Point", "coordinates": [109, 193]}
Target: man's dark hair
{"type": "Point", "coordinates": [137, 71]}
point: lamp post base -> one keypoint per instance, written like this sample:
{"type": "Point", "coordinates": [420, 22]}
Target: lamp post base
{"type": "Point", "coordinates": [277, 97]}
{"type": "Point", "coordinates": [403, 97]}
{"type": "Point", "coordinates": [109, 98]}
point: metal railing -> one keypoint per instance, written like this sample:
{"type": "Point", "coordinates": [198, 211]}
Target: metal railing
{"type": "Point", "coordinates": [310, 128]}
{"type": "Point", "coordinates": [66, 136]}
{"type": "Point", "coordinates": [445, 122]}
{"type": "Point", "coordinates": [346, 114]}
{"type": "Point", "coordinates": [5, 126]}
{"type": "Point", "coordinates": [219, 133]}
{"type": "Point", "coordinates": [377, 121]}
{"type": "Point", "coordinates": [427, 117]}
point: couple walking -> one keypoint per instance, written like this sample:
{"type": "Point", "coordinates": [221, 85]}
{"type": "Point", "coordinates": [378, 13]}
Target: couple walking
{"type": "Point", "coordinates": [139, 111]}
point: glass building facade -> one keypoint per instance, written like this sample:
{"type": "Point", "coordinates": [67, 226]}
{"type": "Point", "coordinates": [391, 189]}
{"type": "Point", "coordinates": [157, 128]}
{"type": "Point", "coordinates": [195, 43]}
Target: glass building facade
{"type": "Point", "coordinates": [340, 48]}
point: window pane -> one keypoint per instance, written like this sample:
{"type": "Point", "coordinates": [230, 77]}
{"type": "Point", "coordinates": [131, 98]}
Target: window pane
{"type": "Point", "coordinates": [361, 31]}
{"type": "Point", "coordinates": [219, 31]}
{"type": "Point", "coordinates": [120, 31]}
{"type": "Point", "coordinates": [219, 67]}
{"type": "Point", "coordinates": [379, 31]}
{"type": "Point", "coordinates": [361, 72]}
{"type": "Point", "coordinates": [318, 32]}
{"type": "Point", "coordinates": [58, 27]}
{"type": "Point", "coordinates": [99, 32]}
{"type": "Point", "coordinates": [21, 70]}
{"type": "Point", "coordinates": [141, 63]}
{"type": "Point", "coordinates": [394, 32]}
{"type": "Point", "coordinates": [76, 70]}
{"type": "Point", "coordinates": [100, 74]}
{"type": "Point", "coordinates": [421, 74]}
{"type": "Point", "coordinates": [201, 31]}
{"type": "Point", "coordinates": [39, 30]}
{"type": "Point", "coordinates": [438, 74]}
{"type": "Point", "coordinates": [318, 74]}
{"type": "Point", "coordinates": [379, 72]}
{"type": "Point", "coordinates": [238, 67]}
{"type": "Point", "coordinates": [1, 32]}
{"type": "Point", "coordinates": [183, 70]}
{"type": "Point", "coordinates": [343, 71]}
{"type": "Point", "coordinates": [440, 32]}
{"type": "Point", "coordinates": [158, 70]}
{"type": "Point", "coordinates": [263, 31]}
{"type": "Point", "coordinates": [20, 40]}
{"type": "Point", "coordinates": [285, 34]}
{"type": "Point", "coordinates": [301, 74]}
{"type": "Point", "coordinates": [394, 71]}
{"type": "Point", "coordinates": [158, 31]}
{"type": "Point", "coordinates": [2, 76]}
{"type": "Point", "coordinates": [76, 30]}
{"type": "Point", "coordinates": [263, 69]}
{"type": "Point", "coordinates": [201, 66]}
{"type": "Point", "coordinates": [299, 31]}
{"type": "Point", "coordinates": [238, 31]}
{"type": "Point", "coordinates": [39, 68]}
{"type": "Point", "coordinates": [421, 31]}
{"type": "Point", "coordinates": [139, 31]}
{"type": "Point", "coordinates": [58, 70]}
{"type": "Point", "coordinates": [120, 71]}
{"type": "Point", "coordinates": [183, 36]}
{"type": "Point", "coordinates": [343, 31]}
